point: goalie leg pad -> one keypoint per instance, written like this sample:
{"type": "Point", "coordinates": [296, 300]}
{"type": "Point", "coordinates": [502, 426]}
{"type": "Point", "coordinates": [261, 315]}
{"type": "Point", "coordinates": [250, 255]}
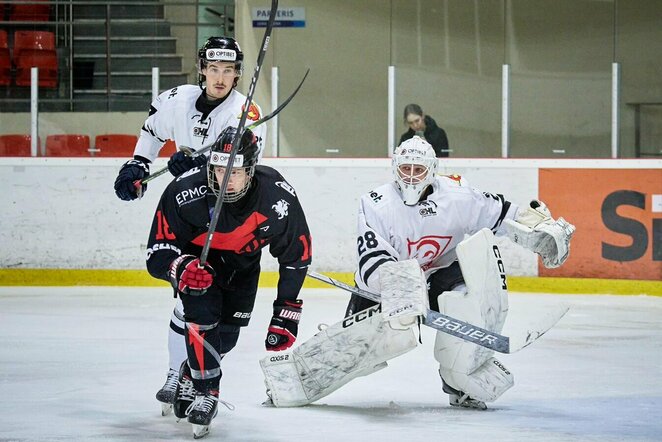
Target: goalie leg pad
{"type": "Point", "coordinates": [487, 383]}
{"type": "Point", "coordinates": [358, 345]}
{"type": "Point", "coordinates": [484, 302]}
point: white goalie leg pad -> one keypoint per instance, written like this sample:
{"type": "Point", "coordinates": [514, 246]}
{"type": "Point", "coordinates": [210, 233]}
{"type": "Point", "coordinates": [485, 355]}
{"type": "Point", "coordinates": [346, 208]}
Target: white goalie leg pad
{"type": "Point", "coordinates": [483, 302]}
{"type": "Point", "coordinates": [487, 383]}
{"type": "Point", "coordinates": [358, 345]}
{"type": "Point", "coordinates": [404, 293]}
{"type": "Point", "coordinates": [536, 230]}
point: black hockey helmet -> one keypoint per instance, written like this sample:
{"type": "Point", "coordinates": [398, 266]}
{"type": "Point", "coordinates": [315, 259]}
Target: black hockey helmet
{"type": "Point", "coordinates": [225, 49]}
{"type": "Point", "coordinates": [246, 159]}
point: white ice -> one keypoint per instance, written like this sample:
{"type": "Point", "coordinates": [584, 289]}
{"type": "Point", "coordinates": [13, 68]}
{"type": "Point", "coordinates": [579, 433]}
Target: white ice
{"type": "Point", "coordinates": [84, 363]}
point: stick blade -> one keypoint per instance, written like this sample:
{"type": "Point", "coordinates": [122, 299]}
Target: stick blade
{"type": "Point", "coordinates": [531, 332]}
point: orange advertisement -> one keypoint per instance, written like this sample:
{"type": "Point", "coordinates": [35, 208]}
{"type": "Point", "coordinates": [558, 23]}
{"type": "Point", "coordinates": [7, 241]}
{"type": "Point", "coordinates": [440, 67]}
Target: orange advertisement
{"type": "Point", "coordinates": [618, 215]}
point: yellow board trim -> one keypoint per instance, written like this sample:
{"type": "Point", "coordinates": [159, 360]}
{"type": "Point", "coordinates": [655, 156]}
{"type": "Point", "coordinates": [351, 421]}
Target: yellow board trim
{"type": "Point", "coordinates": [81, 277]}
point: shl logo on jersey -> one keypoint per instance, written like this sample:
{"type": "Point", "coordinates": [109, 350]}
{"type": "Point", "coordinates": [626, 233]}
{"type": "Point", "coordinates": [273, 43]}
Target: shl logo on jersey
{"type": "Point", "coordinates": [427, 249]}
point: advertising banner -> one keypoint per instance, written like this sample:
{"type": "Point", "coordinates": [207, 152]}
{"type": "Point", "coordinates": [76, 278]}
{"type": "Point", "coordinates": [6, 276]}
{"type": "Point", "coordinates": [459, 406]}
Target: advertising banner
{"type": "Point", "coordinates": [618, 215]}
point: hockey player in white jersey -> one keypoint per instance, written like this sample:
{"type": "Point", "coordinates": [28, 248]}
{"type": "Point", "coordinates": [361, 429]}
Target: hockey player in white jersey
{"type": "Point", "coordinates": [193, 116]}
{"type": "Point", "coordinates": [424, 241]}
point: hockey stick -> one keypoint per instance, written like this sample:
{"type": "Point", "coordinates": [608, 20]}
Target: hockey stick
{"type": "Point", "coordinates": [464, 330]}
{"type": "Point", "coordinates": [238, 135]}
{"type": "Point", "coordinates": [196, 153]}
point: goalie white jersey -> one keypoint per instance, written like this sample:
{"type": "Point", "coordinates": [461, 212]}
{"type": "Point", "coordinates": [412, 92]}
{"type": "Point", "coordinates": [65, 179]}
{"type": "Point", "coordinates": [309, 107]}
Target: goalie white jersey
{"type": "Point", "coordinates": [389, 230]}
{"type": "Point", "coordinates": [173, 115]}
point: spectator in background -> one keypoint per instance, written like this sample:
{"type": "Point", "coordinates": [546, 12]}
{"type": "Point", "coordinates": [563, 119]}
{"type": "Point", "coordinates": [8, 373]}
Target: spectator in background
{"type": "Point", "coordinates": [425, 127]}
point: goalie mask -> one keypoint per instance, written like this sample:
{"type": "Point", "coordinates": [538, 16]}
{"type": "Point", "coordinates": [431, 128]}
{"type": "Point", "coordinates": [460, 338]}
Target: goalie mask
{"type": "Point", "coordinates": [220, 49]}
{"type": "Point", "coordinates": [242, 170]}
{"type": "Point", "coordinates": [414, 168]}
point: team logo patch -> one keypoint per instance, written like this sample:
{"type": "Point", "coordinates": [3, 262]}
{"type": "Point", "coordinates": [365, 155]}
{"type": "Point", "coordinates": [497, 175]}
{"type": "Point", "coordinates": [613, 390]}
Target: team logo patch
{"type": "Point", "coordinates": [427, 249]}
{"type": "Point", "coordinates": [455, 177]}
{"type": "Point", "coordinates": [253, 112]}
{"type": "Point", "coordinates": [281, 208]}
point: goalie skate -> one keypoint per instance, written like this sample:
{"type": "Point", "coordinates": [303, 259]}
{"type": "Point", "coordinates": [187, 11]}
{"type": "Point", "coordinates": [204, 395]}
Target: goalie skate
{"type": "Point", "coordinates": [458, 398]}
{"type": "Point", "coordinates": [166, 395]}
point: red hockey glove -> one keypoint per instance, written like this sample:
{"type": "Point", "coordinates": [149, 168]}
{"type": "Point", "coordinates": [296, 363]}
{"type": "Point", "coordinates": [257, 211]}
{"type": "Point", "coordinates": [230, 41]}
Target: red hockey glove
{"type": "Point", "coordinates": [189, 277]}
{"type": "Point", "coordinates": [284, 325]}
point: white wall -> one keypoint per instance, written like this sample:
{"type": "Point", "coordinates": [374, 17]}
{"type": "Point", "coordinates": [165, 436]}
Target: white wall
{"type": "Point", "coordinates": [63, 213]}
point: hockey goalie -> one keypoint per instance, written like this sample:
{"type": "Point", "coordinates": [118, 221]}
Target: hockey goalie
{"type": "Point", "coordinates": [425, 242]}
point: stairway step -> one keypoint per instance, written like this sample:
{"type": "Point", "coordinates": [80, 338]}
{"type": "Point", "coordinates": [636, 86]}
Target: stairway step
{"type": "Point", "coordinates": [132, 62]}
{"type": "Point", "coordinates": [125, 45]}
{"type": "Point", "coordinates": [118, 11]}
{"type": "Point", "coordinates": [118, 27]}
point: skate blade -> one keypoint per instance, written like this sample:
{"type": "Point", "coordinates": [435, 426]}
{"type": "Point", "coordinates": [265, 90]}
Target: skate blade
{"type": "Point", "coordinates": [166, 409]}
{"type": "Point", "coordinates": [200, 431]}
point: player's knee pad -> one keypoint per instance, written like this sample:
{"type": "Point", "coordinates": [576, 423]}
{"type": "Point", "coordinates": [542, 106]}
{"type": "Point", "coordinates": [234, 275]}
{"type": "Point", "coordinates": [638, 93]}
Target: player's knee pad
{"type": "Point", "coordinates": [358, 345]}
{"type": "Point", "coordinates": [229, 337]}
{"type": "Point", "coordinates": [486, 383]}
{"type": "Point", "coordinates": [201, 309]}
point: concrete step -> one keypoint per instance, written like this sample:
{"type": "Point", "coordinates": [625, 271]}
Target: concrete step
{"type": "Point", "coordinates": [132, 62]}
{"type": "Point", "coordinates": [117, 102]}
{"type": "Point", "coordinates": [122, 27]}
{"type": "Point", "coordinates": [119, 11]}
{"type": "Point", "coordinates": [138, 80]}
{"type": "Point", "coordinates": [125, 45]}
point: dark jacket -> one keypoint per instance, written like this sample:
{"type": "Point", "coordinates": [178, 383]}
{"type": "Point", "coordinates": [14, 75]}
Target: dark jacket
{"type": "Point", "coordinates": [433, 134]}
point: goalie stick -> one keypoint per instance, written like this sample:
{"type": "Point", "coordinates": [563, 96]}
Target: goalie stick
{"type": "Point", "coordinates": [196, 153]}
{"type": "Point", "coordinates": [464, 330]}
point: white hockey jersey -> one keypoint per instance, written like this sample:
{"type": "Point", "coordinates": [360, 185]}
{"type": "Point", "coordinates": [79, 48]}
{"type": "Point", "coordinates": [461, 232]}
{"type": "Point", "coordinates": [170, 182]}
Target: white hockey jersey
{"type": "Point", "coordinates": [173, 116]}
{"type": "Point", "coordinates": [389, 230]}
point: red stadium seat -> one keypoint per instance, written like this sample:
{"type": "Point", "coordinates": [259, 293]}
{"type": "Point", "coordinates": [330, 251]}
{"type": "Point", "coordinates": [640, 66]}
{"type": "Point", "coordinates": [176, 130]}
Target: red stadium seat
{"type": "Point", "coordinates": [36, 10]}
{"type": "Point", "coordinates": [35, 49]}
{"type": "Point", "coordinates": [33, 41]}
{"type": "Point", "coordinates": [115, 145]}
{"type": "Point", "coordinates": [67, 146]}
{"type": "Point", "coordinates": [5, 61]}
{"type": "Point", "coordinates": [168, 149]}
{"type": "Point", "coordinates": [15, 145]}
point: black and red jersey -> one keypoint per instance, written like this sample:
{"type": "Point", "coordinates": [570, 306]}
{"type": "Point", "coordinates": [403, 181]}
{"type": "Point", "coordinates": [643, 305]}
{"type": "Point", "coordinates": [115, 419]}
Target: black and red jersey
{"type": "Point", "coordinates": [268, 215]}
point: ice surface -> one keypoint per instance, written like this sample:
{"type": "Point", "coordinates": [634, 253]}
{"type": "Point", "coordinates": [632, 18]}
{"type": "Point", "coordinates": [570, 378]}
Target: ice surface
{"type": "Point", "coordinates": [84, 363]}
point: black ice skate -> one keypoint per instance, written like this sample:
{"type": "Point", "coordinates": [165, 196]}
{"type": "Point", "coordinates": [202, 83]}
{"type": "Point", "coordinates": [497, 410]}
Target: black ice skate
{"type": "Point", "coordinates": [457, 398]}
{"type": "Point", "coordinates": [185, 394]}
{"type": "Point", "coordinates": [201, 412]}
{"type": "Point", "coordinates": [166, 395]}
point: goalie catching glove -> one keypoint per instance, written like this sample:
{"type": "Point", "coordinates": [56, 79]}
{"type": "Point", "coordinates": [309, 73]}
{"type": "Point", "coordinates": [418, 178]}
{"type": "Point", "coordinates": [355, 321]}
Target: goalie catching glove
{"type": "Point", "coordinates": [187, 276]}
{"type": "Point", "coordinates": [284, 325]}
{"type": "Point", "coordinates": [536, 230]}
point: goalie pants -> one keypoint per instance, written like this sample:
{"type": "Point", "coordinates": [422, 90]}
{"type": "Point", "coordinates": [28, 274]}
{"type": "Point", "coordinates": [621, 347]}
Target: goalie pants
{"type": "Point", "coordinates": [442, 280]}
{"type": "Point", "coordinates": [212, 324]}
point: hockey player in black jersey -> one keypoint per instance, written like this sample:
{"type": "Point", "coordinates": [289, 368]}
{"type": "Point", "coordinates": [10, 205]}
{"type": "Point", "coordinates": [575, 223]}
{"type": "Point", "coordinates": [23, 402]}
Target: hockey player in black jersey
{"type": "Point", "coordinates": [260, 209]}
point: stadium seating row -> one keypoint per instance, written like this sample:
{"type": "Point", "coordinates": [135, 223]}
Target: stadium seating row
{"type": "Point", "coordinates": [36, 10]}
{"type": "Point", "coordinates": [30, 49]}
{"type": "Point", "coordinates": [111, 145]}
